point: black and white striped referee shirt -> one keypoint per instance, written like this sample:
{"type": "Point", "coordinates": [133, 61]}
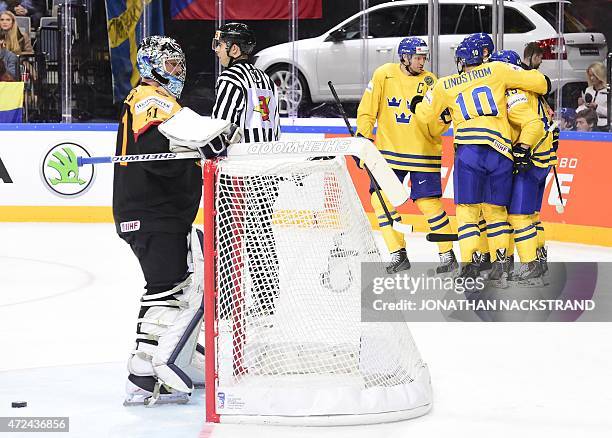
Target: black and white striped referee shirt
{"type": "Point", "coordinates": [247, 97]}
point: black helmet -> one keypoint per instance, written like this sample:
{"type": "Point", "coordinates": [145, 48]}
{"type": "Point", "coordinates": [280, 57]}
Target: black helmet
{"type": "Point", "coordinates": [235, 33]}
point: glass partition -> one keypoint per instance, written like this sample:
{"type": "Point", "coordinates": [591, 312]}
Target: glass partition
{"type": "Point", "coordinates": [68, 76]}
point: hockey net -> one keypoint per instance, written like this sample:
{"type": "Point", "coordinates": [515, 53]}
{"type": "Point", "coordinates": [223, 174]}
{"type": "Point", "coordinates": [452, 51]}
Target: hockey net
{"type": "Point", "coordinates": [284, 337]}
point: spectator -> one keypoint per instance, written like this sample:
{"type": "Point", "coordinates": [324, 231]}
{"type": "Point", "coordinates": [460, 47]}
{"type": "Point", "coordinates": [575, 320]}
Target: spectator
{"type": "Point", "coordinates": [10, 60]}
{"type": "Point", "coordinates": [595, 96]}
{"type": "Point", "coordinates": [4, 75]}
{"type": "Point", "coordinates": [586, 120]}
{"type": "Point", "coordinates": [25, 8]}
{"type": "Point", "coordinates": [532, 56]}
{"type": "Point", "coordinates": [568, 119]}
{"type": "Point", "coordinates": [16, 41]}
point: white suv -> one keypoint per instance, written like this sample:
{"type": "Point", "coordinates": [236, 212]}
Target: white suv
{"type": "Point", "coordinates": [337, 54]}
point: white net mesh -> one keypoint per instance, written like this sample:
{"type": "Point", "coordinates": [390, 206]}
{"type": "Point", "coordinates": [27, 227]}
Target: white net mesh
{"type": "Point", "coordinates": [290, 240]}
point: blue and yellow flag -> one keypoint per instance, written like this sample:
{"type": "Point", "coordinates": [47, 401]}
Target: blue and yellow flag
{"type": "Point", "coordinates": [11, 102]}
{"type": "Point", "coordinates": [128, 22]}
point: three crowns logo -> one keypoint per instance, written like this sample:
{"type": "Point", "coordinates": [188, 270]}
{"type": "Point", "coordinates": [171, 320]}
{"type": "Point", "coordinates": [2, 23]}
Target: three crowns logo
{"type": "Point", "coordinates": [394, 102]}
{"type": "Point", "coordinates": [402, 118]}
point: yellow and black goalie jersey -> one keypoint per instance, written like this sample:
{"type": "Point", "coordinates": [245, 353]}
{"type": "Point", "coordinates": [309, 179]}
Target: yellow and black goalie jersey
{"type": "Point", "coordinates": [477, 103]}
{"type": "Point", "coordinates": [155, 195]}
{"type": "Point", "coordinates": [148, 106]}
{"type": "Point", "coordinates": [405, 143]}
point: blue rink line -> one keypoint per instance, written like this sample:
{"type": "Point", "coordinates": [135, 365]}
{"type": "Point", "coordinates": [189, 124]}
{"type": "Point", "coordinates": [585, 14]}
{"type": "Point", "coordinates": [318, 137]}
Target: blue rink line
{"type": "Point", "coordinates": [59, 127]}
{"type": "Point", "coordinates": [290, 129]}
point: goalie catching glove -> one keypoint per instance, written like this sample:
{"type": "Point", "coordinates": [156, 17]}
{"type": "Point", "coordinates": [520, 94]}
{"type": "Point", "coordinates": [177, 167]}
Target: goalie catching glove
{"type": "Point", "coordinates": [522, 156]}
{"type": "Point", "coordinates": [215, 146]}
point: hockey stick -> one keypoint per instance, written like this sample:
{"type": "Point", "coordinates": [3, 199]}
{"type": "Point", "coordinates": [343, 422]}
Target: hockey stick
{"type": "Point", "coordinates": [442, 237]}
{"type": "Point", "coordinates": [162, 156]}
{"type": "Point", "coordinates": [397, 226]}
{"type": "Point", "coordinates": [560, 208]}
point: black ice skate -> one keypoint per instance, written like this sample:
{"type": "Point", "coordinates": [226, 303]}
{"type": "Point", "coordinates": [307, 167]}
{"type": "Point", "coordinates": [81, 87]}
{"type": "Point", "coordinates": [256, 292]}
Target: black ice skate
{"type": "Point", "coordinates": [500, 270]}
{"type": "Point", "coordinates": [542, 255]}
{"type": "Point", "coordinates": [448, 263]}
{"type": "Point", "coordinates": [470, 270]}
{"type": "Point", "coordinates": [399, 262]}
{"type": "Point", "coordinates": [485, 262]}
{"type": "Point", "coordinates": [529, 275]}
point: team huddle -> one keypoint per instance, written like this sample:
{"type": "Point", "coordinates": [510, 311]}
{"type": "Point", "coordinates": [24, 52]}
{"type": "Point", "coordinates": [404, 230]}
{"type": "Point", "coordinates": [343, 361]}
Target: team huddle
{"type": "Point", "coordinates": [505, 144]}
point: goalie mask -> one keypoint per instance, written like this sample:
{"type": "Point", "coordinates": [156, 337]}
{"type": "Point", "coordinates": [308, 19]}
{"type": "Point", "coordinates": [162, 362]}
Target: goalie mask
{"type": "Point", "coordinates": [161, 59]}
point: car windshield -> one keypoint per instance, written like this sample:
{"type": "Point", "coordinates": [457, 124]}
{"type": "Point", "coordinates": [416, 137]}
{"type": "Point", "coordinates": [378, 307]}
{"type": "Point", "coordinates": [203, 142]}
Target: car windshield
{"type": "Point", "coordinates": [571, 22]}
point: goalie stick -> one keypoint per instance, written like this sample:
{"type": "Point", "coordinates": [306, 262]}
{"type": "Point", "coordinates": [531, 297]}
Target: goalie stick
{"type": "Point", "coordinates": [397, 226]}
{"type": "Point", "coordinates": [162, 156]}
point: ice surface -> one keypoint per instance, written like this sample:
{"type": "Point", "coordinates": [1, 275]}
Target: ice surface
{"type": "Point", "coordinates": [68, 300]}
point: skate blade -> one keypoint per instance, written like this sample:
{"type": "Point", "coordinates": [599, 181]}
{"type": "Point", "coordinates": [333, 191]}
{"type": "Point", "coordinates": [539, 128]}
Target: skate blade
{"type": "Point", "coordinates": [448, 274]}
{"type": "Point", "coordinates": [532, 282]}
{"type": "Point", "coordinates": [402, 267]}
{"type": "Point", "coordinates": [167, 400]}
{"type": "Point", "coordinates": [502, 283]}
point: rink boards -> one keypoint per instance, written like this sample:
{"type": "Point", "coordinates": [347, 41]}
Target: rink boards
{"type": "Point", "coordinates": [39, 181]}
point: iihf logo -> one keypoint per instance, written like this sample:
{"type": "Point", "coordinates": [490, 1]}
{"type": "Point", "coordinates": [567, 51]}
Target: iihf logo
{"type": "Point", "coordinates": [221, 400]}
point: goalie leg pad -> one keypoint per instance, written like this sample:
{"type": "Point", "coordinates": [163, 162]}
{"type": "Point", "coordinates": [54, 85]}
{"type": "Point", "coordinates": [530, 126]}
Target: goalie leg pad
{"type": "Point", "coordinates": [168, 326]}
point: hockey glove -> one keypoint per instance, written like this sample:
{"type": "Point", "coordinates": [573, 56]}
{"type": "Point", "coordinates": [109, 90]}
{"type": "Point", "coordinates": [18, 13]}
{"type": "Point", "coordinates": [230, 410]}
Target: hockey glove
{"type": "Point", "coordinates": [555, 143]}
{"type": "Point", "coordinates": [445, 117]}
{"type": "Point", "coordinates": [522, 157]}
{"type": "Point", "coordinates": [414, 102]}
{"type": "Point", "coordinates": [217, 146]}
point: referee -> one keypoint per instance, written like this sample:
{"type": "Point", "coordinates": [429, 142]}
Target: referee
{"type": "Point", "coordinates": [247, 97]}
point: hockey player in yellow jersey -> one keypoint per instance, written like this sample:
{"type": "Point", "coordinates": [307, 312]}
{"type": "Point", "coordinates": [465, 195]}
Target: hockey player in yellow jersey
{"type": "Point", "coordinates": [483, 167]}
{"type": "Point", "coordinates": [410, 147]}
{"type": "Point", "coordinates": [486, 42]}
{"type": "Point", "coordinates": [532, 167]}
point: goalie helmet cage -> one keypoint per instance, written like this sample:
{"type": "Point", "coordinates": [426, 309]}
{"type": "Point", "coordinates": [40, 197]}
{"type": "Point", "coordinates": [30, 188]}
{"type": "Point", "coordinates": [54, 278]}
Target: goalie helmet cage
{"type": "Point", "coordinates": [284, 340]}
